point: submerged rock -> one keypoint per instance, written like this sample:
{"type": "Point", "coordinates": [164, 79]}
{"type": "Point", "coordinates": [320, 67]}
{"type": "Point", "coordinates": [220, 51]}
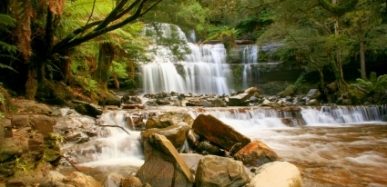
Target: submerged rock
{"type": "Point", "coordinates": [218, 171]}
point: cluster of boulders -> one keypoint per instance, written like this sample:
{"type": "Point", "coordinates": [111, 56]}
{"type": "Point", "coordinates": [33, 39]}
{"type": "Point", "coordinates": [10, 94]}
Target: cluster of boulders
{"type": "Point", "coordinates": [216, 155]}
{"type": "Point", "coordinates": [28, 147]}
{"type": "Point", "coordinates": [249, 97]}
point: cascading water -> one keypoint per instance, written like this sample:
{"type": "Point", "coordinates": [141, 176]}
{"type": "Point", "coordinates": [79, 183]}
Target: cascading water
{"type": "Point", "coordinates": [204, 70]}
{"type": "Point", "coordinates": [249, 57]}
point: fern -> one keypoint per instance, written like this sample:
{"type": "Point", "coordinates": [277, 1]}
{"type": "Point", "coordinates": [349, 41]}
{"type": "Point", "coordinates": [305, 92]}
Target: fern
{"type": "Point", "coordinates": [374, 84]}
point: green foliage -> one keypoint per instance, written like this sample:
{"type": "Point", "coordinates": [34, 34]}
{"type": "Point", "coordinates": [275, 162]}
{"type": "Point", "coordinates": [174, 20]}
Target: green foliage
{"type": "Point", "coordinates": [374, 84]}
{"type": "Point", "coordinates": [225, 34]}
{"type": "Point", "coordinates": [300, 80]}
{"type": "Point", "coordinates": [7, 50]}
{"type": "Point", "coordinates": [89, 85]}
{"type": "Point", "coordinates": [119, 69]}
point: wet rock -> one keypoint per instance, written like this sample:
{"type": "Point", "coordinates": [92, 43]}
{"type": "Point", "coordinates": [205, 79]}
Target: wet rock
{"type": "Point", "coordinates": [205, 147]}
{"type": "Point", "coordinates": [132, 106]}
{"type": "Point", "coordinates": [86, 108]}
{"type": "Point", "coordinates": [313, 94]}
{"type": "Point", "coordinates": [131, 181]}
{"type": "Point", "coordinates": [162, 101]}
{"type": "Point", "coordinates": [43, 124]}
{"type": "Point", "coordinates": [220, 171]}
{"type": "Point", "coordinates": [256, 153]}
{"type": "Point", "coordinates": [219, 133]}
{"type": "Point", "coordinates": [176, 134]}
{"type": "Point", "coordinates": [127, 99]}
{"type": "Point", "coordinates": [276, 174]}
{"type": "Point", "coordinates": [80, 179]}
{"type": "Point", "coordinates": [168, 119]}
{"type": "Point", "coordinates": [313, 102]}
{"type": "Point", "coordinates": [20, 121]}
{"type": "Point", "coordinates": [112, 180]}
{"type": "Point", "coordinates": [242, 99]}
{"type": "Point", "coordinates": [135, 121]}
{"type": "Point", "coordinates": [217, 102]}
{"type": "Point", "coordinates": [163, 165]}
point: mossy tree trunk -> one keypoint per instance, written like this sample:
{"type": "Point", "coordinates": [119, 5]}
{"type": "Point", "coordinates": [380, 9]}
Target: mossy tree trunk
{"type": "Point", "coordinates": [105, 60]}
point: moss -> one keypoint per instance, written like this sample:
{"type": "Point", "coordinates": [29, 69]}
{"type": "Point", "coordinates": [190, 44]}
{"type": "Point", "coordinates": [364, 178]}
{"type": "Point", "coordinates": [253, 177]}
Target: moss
{"type": "Point", "coordinates": [53, 92]}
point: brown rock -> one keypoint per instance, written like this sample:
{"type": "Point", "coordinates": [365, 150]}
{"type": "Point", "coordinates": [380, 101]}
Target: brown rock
{"type": "Point", "coordinates": [176, 134]}
{"type": "Point", "coordinates": [20, 121]}
{"type": "Point", "coordinates": [219, 133]}
{"type": "Point", "coordinates": [220, 171]}
{"type": "Point", "coordinates": [80, 179]}
{"type": "Point", "coordinates": [163, 165]}
{"type": "Point", "coordinates": [131, 181]}
{"type": "Point", "coordinates": [168, 119]}
{"type": "Point", "coordinates": [43, 124]}
{"type": "Point", "coordinates": [256, 153]}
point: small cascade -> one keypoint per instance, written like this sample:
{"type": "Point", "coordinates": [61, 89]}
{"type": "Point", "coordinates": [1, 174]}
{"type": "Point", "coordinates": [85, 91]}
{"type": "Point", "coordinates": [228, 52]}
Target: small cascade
{"type": "Point", "coordinates": [203, 71]}
{"type": "Point", "coordinates": [327, 115]}
{"type": "Point", "coordinates": [249, 57]}
{"type": "Point", "coordinates": [115, 146]}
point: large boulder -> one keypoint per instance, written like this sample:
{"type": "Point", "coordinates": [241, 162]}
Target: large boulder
{"type": "Point", "coordinates": [20, 121]}
{"type": "Point", "coordinates": [219, 133]}
{"type": "Point", "coordinates": [276, 174]}
{"type": "Point", "coordinates": [32, 107]}
{"type": "Point", "coordinates": [242, 98]}
{"type": "Point", "coordinates": [168, 119]}
{"type": "Point", "coordinates": [256, 153]}
{"type": "Point", "coordinates": [163, 165]}
{"type": "Point", "coordinates": [43, 124]}
{"type": "Point", "coordinates": [218, 171]}
{"type": "Point", "coordinates": [9, 150]}
{"type": "Point", "coordinates": [176, 134]}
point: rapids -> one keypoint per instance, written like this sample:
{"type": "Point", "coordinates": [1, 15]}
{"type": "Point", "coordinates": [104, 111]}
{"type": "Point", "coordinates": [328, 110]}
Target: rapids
{"type": "Point", "coordinates": [333, 146]}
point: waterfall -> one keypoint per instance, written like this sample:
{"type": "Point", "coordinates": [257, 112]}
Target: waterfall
{"type": "Point", "coordinates": [203, 71]}
{"type": "Point", "coordinates": [249, 57]}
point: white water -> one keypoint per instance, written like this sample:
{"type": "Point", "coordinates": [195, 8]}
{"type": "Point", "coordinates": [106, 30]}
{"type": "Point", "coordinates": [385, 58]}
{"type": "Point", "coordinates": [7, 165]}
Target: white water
{"type": "Point", "coordinates": [334, 148]}
{"type": "Point", "coordinates": [249, 57]}
{"type": "Point", "coordinates": [204, 70]}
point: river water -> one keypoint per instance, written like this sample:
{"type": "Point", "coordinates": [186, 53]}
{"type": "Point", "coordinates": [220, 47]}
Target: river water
{"type": "Point", "coordinates": [339, 146]}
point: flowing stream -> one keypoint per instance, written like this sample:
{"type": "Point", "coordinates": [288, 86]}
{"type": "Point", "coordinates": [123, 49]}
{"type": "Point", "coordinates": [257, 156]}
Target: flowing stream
{"type": "Point", "coordinates": [334, 146]}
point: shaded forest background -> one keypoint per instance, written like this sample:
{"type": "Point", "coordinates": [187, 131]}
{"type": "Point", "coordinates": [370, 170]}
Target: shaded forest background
{"type": "Point", "coordinates": [55, 51]}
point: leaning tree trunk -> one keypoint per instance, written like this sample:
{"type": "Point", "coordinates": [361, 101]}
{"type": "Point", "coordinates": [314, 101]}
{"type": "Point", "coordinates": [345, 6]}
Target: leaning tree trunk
{"type": "Point", "coordinates": [362, 61]}
{"type": "Point", "coordinates": [105, 60]}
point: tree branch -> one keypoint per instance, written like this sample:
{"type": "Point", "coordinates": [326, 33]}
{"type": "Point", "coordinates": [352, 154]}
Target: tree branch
{"type": "Point", "coordinates": [114, 126]}
{"type": "Point", "coordinates": [95, 33]}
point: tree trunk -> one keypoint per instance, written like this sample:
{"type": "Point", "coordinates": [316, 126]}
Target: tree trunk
{"type": "Point", "coordinates": [362, 61]}
{"type": "Point", "coordinates": [31, 84]}
{"type": "Point", "coordinates": [105, 60]}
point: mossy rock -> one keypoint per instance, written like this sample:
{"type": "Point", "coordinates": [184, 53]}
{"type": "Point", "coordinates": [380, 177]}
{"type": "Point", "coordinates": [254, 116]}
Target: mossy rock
{"type": "Point", "coordinates": [53, 92]}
